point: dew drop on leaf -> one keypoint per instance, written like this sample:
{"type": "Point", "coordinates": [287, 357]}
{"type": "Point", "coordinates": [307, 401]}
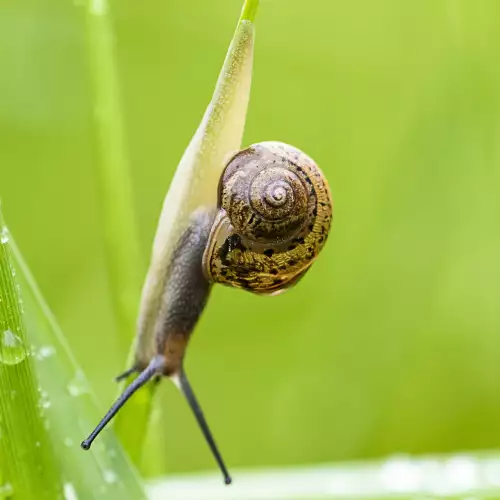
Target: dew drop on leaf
{"type": "Point", "coordinates": [45, 351]}
{"type": "Point", "coordinates": [44, 400]}
{"type": "Point", "coordinates": [69, 492]}
{"type": "Point", "coordinates": [4, 235]}
{"type": "Point", "coordinates": [12, 350]}
{"type": "Point", "coordinates": [109, 476]}
{"type": "Point", "coordinates": [78, 385]}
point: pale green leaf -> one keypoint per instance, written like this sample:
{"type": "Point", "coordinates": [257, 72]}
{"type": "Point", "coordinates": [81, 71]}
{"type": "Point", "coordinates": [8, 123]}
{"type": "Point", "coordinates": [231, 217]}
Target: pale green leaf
{"type": "Point", "coordinates": [194, 186]}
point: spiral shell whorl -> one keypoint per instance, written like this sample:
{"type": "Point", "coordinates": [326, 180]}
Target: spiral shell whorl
{"type": "Point", "coordinates": [275, 214]}
{"type": "Point", "coordinates": [265, 199]}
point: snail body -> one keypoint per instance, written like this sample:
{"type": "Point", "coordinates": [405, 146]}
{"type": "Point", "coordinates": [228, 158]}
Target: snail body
{"type": "Point", "coordinates": [274, 216]}
{"type": "Point", "coordinates": [272, 219]}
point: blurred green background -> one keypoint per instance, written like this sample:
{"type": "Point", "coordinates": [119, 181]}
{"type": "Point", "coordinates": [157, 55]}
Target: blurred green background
{"type": "Point", "coordinates": [392, 341]}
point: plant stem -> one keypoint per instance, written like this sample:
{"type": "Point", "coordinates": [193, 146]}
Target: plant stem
{"type": "Point", "coordinates": [120, 229]}
{"type": "Point", "coordinates": [118, 213]}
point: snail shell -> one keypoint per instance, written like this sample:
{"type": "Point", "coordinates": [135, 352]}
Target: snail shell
{"type": "Point", "coordinates": [275, 211]}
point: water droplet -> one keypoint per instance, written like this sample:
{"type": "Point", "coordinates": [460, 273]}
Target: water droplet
{"type": "Point", "coordinates": [12, 349]}
{"type": "Point", "coordinates": [78, 385]}
{"type": "Point", "coordinates": [4, 235]}
{"type": "Point", "coordinates": [68, 442]}
{"type": "Point", "coordinates": [46, 351]}
{"type": "Point", "coordinates": [38, 444]}
{"type": "Point", "coordinates": [6, 490]}
{"type": "Point", "coordinates": [69, 492]}
{"type": "Point", "coordinates": [109, 476]}
{"type": "Point", "coordinates": [44, 401]}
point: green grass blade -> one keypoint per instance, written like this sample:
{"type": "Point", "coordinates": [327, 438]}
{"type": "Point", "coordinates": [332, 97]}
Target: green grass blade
{"type": "Point", "coordinates": [70, 410]}
{"type": "Point", "coordinates": [28, 465]}
{"type": "Point", "coordinates": [468, 475]}
{"type": "Point", "coordinates": [194, 185]}
{"type": "Point", "coordinates": [119, 224]}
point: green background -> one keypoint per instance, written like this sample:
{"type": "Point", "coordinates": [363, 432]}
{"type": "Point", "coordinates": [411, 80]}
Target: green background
{"type": "Point", "coordinates": [392, 341]}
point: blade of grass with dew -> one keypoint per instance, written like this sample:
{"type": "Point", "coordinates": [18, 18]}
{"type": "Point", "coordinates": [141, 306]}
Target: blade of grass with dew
{"type": "Point", "coordinates": [465, 475]}
{"type": "Point", "coordinates": [194, 185]}
{"type": "Point", "coordinates": [28, 464]}
{"type": "Point", "coordinates": [70, 408]}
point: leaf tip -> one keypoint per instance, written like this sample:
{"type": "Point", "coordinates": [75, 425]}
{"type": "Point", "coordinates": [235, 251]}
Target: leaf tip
{"type": "Point", "coordinates": [249, 10]}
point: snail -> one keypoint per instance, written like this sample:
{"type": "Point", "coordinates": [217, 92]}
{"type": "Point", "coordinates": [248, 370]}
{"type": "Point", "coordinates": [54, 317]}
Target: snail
{"type": "Point", "coordinates": [272, 219]}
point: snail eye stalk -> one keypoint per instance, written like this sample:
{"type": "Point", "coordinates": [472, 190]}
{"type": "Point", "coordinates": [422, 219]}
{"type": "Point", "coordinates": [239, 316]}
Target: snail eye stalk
{"type": "Point", "coordinates": [144, 377]}
{"type": "Point", "coordinates": [185, 387]}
